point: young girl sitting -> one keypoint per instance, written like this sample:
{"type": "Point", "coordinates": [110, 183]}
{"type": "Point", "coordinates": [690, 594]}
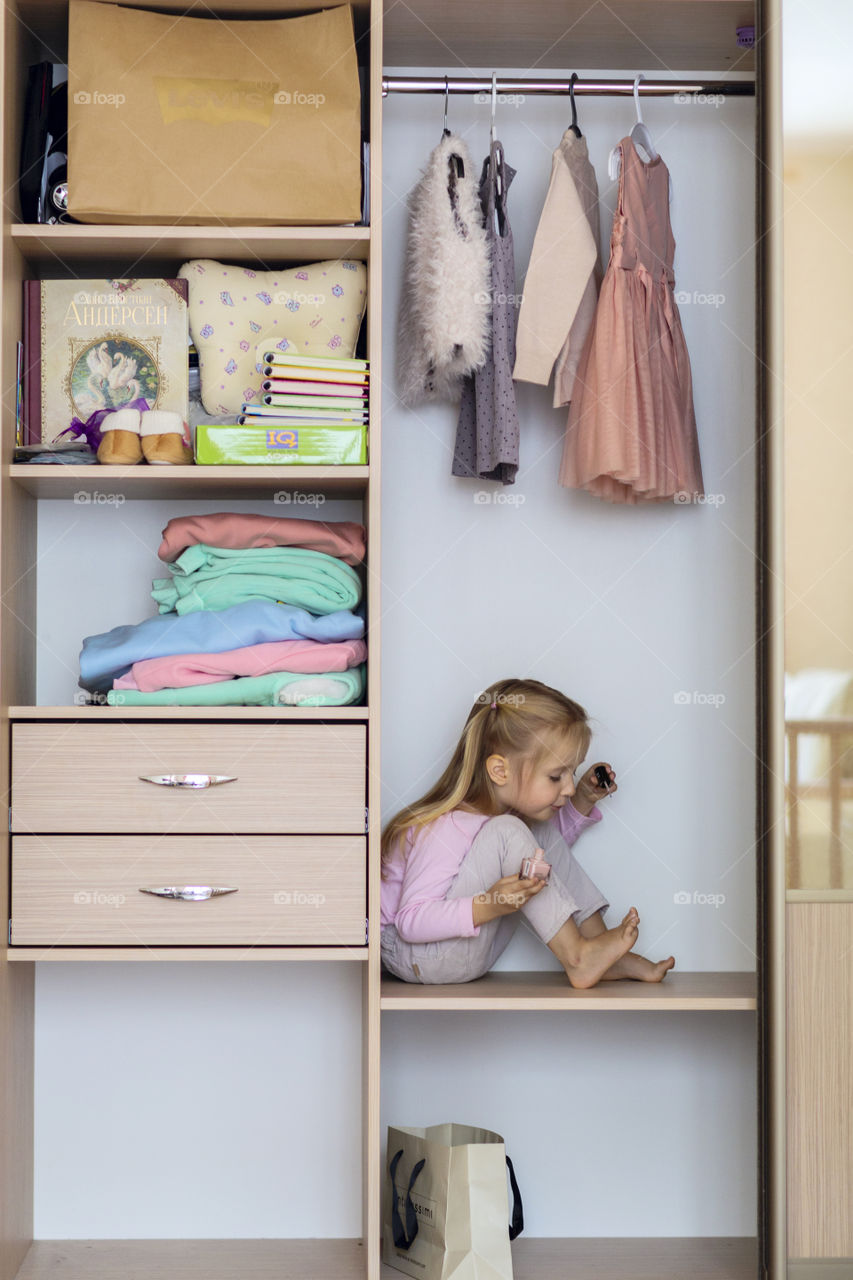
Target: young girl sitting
{"type": "Point", "coordinates": [451, 888]}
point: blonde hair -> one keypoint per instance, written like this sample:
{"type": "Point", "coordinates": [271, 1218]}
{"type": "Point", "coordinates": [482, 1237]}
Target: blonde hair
{"type": "Point", "coordinates": [510, 718]}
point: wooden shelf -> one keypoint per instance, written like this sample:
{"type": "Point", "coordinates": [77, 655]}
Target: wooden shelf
{"type": "Point", "coordinates": [689, 992]}
{"type": "Point", "coordinates": [647, 1258]}
{"type": "Point", "coordinates": [100, 484]}
{"type": "Point", "coordinates": [194, 1260]}
{"type": "Point", "coordinates": [633, 35]}
{"type": "Point", "coordinates": [188, 713]}
{"type": "Point", "coordinates": [54, 246]}
{"type": "Point", "coordinates": [186, 953]}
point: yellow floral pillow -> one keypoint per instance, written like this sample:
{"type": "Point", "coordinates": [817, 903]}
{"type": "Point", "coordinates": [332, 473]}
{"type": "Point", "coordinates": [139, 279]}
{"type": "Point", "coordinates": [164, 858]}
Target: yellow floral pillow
{"type": "Point", "coordinates": [237, 313]}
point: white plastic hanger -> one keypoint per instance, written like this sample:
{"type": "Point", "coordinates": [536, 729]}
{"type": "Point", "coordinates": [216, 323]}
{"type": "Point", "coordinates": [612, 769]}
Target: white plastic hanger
{"type": "Point", "coordinates": [493, 133]}
{"type": "Point", "coordinates": [458, 168]}
{"type": "Point", "coordinates": [639, 134]}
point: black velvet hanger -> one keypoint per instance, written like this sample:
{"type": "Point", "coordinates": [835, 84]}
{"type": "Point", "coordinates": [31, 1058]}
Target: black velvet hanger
{"type": "Point", "coordinates": [574, 126]}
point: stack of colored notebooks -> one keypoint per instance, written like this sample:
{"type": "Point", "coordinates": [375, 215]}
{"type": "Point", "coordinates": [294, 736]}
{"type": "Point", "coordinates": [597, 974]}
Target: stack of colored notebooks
{"type": "Point", "coordinates": [313, 410]}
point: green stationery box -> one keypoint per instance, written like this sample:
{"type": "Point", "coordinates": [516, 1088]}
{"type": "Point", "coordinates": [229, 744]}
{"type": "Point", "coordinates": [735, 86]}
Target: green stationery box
{"type": "Point", "coordinates": [314, 446]}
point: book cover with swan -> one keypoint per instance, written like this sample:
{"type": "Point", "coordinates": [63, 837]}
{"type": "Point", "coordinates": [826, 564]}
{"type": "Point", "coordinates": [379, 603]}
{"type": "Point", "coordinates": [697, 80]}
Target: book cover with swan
{"type": "Point", "coordinates": [101, 344]}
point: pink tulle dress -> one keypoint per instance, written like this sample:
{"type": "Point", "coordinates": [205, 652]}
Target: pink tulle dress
{"type": "Point", "coordinates": [631, 432]}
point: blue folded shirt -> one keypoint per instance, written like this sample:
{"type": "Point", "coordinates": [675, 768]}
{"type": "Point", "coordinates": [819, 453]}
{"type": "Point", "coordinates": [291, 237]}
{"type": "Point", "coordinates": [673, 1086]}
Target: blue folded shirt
{"type": "Point", "coordinates": [105, 657]}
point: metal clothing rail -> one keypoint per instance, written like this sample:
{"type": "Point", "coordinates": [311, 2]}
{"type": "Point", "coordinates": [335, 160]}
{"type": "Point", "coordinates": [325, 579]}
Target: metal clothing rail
{"type": "Point", "coordinates": [590, 88]}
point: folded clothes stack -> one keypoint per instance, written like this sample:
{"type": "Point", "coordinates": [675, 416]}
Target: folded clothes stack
{"type": "Point", "coordinates": [258, 611]}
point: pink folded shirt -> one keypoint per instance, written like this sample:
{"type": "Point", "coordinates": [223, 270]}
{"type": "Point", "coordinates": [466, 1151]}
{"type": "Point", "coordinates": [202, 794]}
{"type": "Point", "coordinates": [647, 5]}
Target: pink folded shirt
{"type": "Point", "coordinates": [312, 657]}
{"type": "Point", "coordinates": [412, 895]}
{"type": "Point", "coordinates": [232, 531]}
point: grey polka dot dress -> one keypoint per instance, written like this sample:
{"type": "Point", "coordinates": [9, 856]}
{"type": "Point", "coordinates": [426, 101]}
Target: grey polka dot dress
{"type": "Point", "coordinates": [487, 432]}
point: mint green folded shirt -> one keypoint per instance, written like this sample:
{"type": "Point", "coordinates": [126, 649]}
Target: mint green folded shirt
{"type": "Point", "coordinates": [216, 578]}
{"type": "Point", "coordinates": [280, 688]}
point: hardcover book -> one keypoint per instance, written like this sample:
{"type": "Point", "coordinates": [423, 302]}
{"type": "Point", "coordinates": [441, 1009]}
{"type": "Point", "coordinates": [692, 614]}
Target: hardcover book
{"type": "Point", "coordinates": [326, 403]}
{"type": "Point", "coordinates": [323, 377]}
{"type": "Point", "coordinates": [102, 344]}
{"type": "Point", "coordinates": [295, 387]}
{"type": "Point", "coordinates": [276, 358]}
{"type": "Point", "coordinates": [279, 404]}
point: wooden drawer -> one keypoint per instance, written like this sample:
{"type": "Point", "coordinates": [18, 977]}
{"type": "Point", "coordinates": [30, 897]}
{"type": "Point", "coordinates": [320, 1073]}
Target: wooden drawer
{"type": "Point", "coordinates": [76, 890]}
{"type": "Point", "coordinates": [289, 778]}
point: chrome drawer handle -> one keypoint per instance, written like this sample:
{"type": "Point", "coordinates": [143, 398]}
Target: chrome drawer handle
{"type": "Point", "coordinates": [193, 780]}
{"type": "Point", "coordinates": [189, 892]}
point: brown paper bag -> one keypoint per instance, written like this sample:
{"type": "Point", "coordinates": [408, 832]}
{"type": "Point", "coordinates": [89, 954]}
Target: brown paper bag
{"type": "Point", "coordinates": [210, 120]}
{"type": "Point", "coordinates": [446, 1204]}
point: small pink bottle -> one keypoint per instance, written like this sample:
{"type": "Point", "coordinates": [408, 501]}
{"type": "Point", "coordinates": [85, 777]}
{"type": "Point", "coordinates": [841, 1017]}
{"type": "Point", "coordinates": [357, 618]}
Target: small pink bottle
{"type": "Point", "coordinates": [535, 868]}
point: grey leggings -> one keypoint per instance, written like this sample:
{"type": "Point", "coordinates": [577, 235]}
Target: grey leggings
{"type": "Point", "coordinates": [498, 850]}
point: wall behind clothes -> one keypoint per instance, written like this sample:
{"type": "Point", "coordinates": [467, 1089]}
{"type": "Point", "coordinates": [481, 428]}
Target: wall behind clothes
{"type": "Point", "coordinates": [644, 615]}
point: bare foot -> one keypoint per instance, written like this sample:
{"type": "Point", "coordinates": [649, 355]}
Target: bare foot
{"type": "Point", "coordinates": [638, 969]}
{"type": "Point", "coordinates": [655, 972]}
{"type": "Point", "coordinates": [586, 960]}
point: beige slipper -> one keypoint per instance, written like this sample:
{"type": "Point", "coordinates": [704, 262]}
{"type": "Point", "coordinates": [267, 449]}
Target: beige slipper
{"type": "Point", "coordinates": [165, 439]}
{"type": "Point", "coordinates": [120, 444]}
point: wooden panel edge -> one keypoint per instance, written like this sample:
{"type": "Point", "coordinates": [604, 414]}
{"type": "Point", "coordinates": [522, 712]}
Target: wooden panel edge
{"type": "Point", "coordinates": [171, 954]}
{"type": "Point", "coordinates": [770, 738]}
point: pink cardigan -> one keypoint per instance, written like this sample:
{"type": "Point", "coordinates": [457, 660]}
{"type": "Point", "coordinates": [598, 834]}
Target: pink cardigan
{"type": "Point", "coordinates": [313, 657]}
{"type": "Point", "coordinates": [233, 532]}
{"type": "Point", "coordinates": [412, 897]}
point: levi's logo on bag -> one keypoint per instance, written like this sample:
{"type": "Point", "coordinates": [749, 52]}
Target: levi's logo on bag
{"type": "Point", "coordinates": [214, 101]}
{"type": "Point", "coordinates": [282, 439]}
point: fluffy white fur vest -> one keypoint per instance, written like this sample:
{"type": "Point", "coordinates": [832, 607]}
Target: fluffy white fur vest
{"type": "Point", "coordinates": [445, 315]}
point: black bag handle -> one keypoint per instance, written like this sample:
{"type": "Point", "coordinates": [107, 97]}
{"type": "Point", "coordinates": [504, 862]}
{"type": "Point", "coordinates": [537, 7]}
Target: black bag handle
{"type": "Point", "coordinates": [516, 1225]}
{"type": "Point", "coordinates": [404, 1237]}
